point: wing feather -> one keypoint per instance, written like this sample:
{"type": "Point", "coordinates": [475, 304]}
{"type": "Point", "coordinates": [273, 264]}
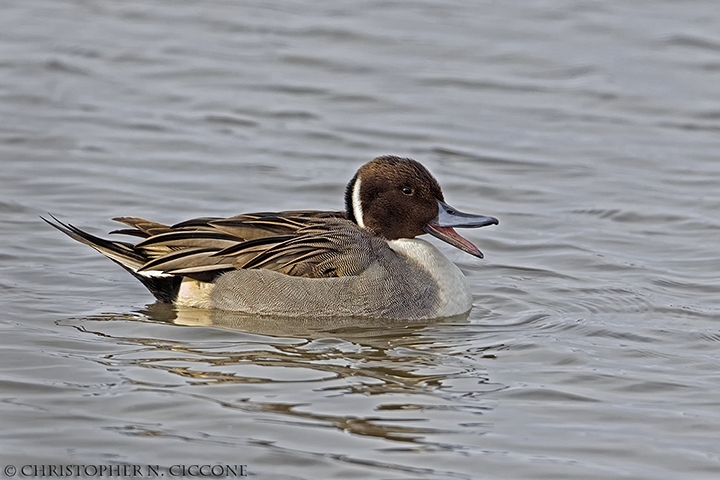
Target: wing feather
{"type": "Point", "coordinates": [299, 243]}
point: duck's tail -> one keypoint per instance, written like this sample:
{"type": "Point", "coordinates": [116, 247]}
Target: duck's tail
{"type": "Point", "coordinates": [163, 286]}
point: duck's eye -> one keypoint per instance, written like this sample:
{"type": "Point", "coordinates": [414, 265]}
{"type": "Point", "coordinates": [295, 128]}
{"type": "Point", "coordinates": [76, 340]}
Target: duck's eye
{"type": "Point", "coordinates": [407, 190]}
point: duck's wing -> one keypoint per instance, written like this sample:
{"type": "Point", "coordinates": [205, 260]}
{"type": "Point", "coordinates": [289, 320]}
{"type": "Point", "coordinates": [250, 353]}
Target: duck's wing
{"type": "Point", "coordinates": [139, 227]}
{"type": "Point", "coordinates": [299, 243]}
{"type": "Point", "coordinates": [332, 248]}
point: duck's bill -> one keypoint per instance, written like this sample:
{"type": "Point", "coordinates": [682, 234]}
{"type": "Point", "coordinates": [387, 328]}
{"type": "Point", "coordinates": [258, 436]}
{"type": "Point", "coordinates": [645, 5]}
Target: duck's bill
{"type": "Point", "coordinates": [448, 218]}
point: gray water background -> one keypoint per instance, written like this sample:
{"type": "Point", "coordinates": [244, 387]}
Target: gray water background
{"type": "Point", "coordinates": [590, 128]}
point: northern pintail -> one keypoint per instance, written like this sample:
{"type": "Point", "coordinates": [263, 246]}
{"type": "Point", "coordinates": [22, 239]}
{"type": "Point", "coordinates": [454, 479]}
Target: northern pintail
{"type": "Point", "coordinates": [364, 262]}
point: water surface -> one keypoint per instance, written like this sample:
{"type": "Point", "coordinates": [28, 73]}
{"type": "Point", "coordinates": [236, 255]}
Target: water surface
{"type": "Point", "coordinates": [591, 129]}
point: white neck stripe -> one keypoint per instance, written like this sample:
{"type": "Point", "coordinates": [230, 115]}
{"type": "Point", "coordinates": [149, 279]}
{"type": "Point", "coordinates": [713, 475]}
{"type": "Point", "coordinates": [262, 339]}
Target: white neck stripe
{"type": "Point", "coordinates": [357, 204]}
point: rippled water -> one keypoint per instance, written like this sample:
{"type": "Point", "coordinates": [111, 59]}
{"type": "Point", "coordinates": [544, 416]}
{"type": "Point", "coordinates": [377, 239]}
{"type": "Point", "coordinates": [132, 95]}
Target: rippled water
{"type": "Point", "coordinates": [591, 129]}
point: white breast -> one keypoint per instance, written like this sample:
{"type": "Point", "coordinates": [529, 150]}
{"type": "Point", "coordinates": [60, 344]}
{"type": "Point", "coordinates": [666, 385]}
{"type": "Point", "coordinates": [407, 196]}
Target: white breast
{"type": "Point", "coordinates": [455, 296]}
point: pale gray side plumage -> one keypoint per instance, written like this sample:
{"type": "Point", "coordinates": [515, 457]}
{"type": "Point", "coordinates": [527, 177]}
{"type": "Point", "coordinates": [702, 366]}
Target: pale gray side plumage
{"type": "Point", "coordinates": [384, 284]}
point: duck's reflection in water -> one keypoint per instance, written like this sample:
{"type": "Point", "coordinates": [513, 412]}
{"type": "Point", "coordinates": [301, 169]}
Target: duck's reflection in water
{"type": "Point", "coordinates": [391, 374]}
{"type": "Point", "coordinates": [297, 327]}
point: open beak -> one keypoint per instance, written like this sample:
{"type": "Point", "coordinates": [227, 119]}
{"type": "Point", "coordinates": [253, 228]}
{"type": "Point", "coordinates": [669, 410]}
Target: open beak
{"type": "Point", "coordinates": [448, 219]}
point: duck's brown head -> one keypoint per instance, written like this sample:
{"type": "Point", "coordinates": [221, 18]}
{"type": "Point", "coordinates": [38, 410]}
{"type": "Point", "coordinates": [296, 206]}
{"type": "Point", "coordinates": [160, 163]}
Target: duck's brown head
{"type": "Point", "coordinates": [398, 198]}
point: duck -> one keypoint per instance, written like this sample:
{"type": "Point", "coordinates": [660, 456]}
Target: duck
{"type": "Point", "coordinates": [366, 261]}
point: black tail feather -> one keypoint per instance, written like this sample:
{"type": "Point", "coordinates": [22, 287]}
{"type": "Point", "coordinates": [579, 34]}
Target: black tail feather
{"type": "Point", "coordinates": [165, 288]}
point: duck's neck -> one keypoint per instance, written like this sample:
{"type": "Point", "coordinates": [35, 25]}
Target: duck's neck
{"type": "Point", "coordinates": [353, 206]}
